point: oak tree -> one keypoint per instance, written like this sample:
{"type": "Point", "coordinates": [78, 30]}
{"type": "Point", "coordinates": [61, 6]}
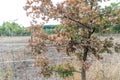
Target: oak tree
{"type": "Point", "coordinates": [79, 20]}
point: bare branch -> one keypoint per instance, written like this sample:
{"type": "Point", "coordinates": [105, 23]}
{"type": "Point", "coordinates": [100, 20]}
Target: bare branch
{"type": "Point", "coordinates": [77, 22]}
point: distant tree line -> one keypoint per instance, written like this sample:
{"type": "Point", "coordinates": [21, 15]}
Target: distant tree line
{"type": "Point", "coordinates": [13, 29]}
{"type": "Point", "coordinates": [50, 29]}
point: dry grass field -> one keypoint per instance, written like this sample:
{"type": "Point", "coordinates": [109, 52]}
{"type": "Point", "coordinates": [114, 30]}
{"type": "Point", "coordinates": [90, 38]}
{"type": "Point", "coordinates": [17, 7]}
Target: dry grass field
{"type": "Point", "coordinates": [13, 48]}
{"type": "Point", "coordinates": [106, 69]}
{"type": "Point", "coordinates": [20, 39]}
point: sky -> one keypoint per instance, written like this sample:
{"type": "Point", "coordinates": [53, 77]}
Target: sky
{"type": "Point", "coordinates": [12, 10]}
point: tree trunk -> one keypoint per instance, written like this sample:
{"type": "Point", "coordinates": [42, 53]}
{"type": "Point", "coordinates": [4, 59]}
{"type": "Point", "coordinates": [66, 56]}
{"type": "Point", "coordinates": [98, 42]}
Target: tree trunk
{"type": "Point", "coordinates": [83, 74]}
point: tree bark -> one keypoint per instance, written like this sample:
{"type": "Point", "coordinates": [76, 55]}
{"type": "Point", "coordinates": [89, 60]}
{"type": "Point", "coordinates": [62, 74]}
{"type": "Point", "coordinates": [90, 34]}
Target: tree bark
{"type": "Point", "coordinates": [83, 74]}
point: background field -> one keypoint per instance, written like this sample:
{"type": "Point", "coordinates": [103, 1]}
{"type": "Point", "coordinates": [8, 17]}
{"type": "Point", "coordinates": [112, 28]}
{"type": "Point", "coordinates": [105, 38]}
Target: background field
{"type": "Point", "coordinates": [16, 62]}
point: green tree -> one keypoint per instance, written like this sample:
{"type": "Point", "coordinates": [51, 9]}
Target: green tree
{"type": "Point", "coordinates": [49, 29]}
{"type": "Point", "coordinates": [12, 29]}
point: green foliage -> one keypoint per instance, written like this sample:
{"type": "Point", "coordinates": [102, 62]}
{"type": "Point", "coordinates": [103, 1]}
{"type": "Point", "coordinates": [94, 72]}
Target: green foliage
{"type": "Point", "coordinates": [49, 31]}
{"type": "Point", "coordinates": [12, 29]}
{"type": "Point", "coordinates": [49, 26]}
{"type": "Point", "coordinates": [59, 27]}
{"type": "Point", "coordinates": [66, 70]}
{"type": "Point", "coordinates": [115, 29]}
{"type": "Point", "coordinates": [112, 10]}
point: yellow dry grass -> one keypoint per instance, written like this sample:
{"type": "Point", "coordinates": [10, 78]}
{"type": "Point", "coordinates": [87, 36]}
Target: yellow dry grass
{"type": "Point", "coordinates": [100, 71]}
{"type": "Point", "coordinates": [106, 69]}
